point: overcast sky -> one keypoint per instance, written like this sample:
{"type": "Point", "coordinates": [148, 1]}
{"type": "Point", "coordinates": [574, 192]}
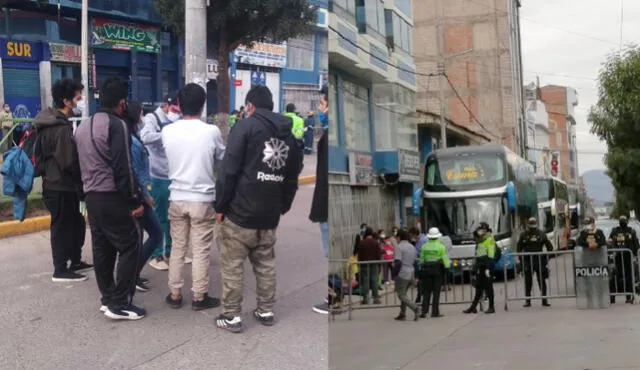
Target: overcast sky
{"type": "Point", "coordinates": [564, 42]}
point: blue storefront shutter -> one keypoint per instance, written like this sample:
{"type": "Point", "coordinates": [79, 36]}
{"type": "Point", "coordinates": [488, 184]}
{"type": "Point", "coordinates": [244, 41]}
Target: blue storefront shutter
{"type": "Point", "coordinates": [22, 89]}
{"type": "Point", "coordinates": [146, 82]}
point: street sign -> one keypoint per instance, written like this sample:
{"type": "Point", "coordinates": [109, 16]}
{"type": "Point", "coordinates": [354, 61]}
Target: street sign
{"type": "Point", "coordinates": [258, 78]}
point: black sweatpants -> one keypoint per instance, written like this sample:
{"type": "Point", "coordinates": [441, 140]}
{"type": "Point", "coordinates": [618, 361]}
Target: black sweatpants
{"type": "Point", "coordinates": [484, 285]}
{"type": "Point", "coordinates": [431, 279]}
{"type": "Point", "coordinates": [115, 234]}
{"type": "Point", "coordinates": [67, 228]}
{"type": "Point", "coordinates": [537, 265]}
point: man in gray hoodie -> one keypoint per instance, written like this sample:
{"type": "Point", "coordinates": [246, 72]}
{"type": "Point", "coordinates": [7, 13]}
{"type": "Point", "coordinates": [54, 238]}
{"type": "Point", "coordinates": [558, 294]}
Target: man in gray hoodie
{"type": "Point", "coordinates": [151, 135]}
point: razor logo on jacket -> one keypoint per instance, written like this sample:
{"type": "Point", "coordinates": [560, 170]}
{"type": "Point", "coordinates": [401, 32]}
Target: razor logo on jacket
{"type": "Point", "coordinates": [275, 152]}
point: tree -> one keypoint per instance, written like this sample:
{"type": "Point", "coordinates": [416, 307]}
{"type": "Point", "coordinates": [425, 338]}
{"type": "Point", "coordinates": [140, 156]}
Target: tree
{"type": "Point", "coordinates": [231, 23]}
{"type": "Point", "coordinates": [615, 119]}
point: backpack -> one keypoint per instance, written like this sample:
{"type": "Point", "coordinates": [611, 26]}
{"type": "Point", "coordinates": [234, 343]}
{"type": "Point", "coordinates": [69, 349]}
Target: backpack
{"type": "Point", "coordinates": [30, 144]}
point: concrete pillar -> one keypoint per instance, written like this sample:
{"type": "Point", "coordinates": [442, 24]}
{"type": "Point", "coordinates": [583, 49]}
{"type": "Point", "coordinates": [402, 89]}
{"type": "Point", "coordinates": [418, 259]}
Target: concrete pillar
{"type": "Point", "coordinates": [196, 44]}
{"type": "Point", "coordinates": [46, 100]}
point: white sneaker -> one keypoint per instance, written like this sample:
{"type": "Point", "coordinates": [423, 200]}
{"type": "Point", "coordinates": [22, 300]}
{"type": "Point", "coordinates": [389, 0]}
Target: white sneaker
{"type": "Point", "coordinates": [103, 308]}
{"type": "Point", "coordinates": [159, 264]}
{"type": "Point", "coordinates": [188, 260]}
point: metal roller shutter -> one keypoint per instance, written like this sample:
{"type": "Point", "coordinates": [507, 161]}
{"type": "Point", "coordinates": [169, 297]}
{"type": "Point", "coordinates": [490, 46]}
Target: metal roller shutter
{"type": "Point", "coordinates": [22, 90]}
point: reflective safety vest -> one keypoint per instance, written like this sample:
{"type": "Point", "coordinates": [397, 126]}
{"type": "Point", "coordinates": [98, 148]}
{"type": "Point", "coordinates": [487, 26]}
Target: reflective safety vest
{"type": "Point", "coordinates": [487, 247]}
{"type": "Point", "coordinates": [298, 125]}
{"type": "Point", "coordinates": [434, 251]}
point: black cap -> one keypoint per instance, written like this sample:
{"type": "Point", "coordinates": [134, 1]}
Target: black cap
{"type": "Point", "coordinates": [171, 98]}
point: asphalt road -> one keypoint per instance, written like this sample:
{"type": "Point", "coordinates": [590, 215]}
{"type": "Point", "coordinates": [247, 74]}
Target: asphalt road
{"type": "Point", "coordinates": [559, 337]}
{"type": "Point", "coordinates": [58, 326]}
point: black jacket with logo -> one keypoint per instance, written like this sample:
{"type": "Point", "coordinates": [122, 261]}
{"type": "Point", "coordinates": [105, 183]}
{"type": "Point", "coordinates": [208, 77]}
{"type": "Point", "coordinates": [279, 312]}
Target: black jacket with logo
{"type": "Point", "coordinates": [259, 171]}
{"type": "Point", "coordinates": [534, 241]}
{"type": "Point", "coordinates": [624, 237]}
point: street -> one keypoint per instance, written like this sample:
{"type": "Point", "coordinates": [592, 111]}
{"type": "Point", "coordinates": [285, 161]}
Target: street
{"type": "Point", "coordinates": [58, 326]}
{"type": "Point", "coordinates": [559, 337]}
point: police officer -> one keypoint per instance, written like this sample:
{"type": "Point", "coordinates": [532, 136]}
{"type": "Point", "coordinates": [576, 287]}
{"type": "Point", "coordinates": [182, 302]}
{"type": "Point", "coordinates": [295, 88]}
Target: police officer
{"type": "Point", "coordinates": [534, 240]}
{"type": "Point", "coordinates": [433, 262]}
{"type": "Point", "coordinates": [625, 237]}
{"type": "Point", "coordinates": [590, 236]}
{"type": "Point", "coordinates": [485, 259]}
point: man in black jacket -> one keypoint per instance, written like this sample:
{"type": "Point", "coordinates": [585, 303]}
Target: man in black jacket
{"type": "Point", "coordinates": [258, 184]}
{"type": "Point", "coordinates": [56, 162]}
{"type": "Point", "coordinates": [114, 201]}
{"type": "Point", "coordinates": [534, 240]}
{"type": "Point", "coordinates": [320, 205]}
{"type": "Point", "coordinates": [623, 237]}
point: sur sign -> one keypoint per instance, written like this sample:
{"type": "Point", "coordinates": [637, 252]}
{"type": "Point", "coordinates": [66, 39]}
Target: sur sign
{"type": "Point", "coordinates": [22, 50]}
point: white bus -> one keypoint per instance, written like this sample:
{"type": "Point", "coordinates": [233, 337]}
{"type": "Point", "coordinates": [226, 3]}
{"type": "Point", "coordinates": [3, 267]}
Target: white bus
{"type": "Point", "coordinates": [468, 185]}
{"type": "Point", "coordinates": [553, 210]}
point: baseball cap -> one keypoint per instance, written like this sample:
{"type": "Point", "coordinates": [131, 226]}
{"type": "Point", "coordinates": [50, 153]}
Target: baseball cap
{"type": "Point", "coordinates": [172, 100]}
{"type": "Point", "coordinates": [532, 221]}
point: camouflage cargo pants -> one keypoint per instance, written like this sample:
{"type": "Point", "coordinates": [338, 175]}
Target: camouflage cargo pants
{"type": "Point", "coordinates": [236, 244]}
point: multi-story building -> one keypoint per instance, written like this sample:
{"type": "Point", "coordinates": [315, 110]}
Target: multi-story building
{"type": "Point", "coordinates": [294, 70]}
{"type": "Point", "coordinates": [477, 45]}
{"type": "Point", "coordinates": [537, 131]}
{"type": "Point", "coordinates": [373, 162]}
{"type": "Point", "coordinates": [40, 42]}
{"type": "Point", "coordinates": [561, 102]}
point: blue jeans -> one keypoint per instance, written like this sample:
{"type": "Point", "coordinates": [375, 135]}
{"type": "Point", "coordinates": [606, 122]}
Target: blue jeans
{"type": "Point", "coordinates": [324, 231]}
{"type": "Point", "coordinates": [160, 193]}
{"type": "Point", "coordinates": [151, 225]}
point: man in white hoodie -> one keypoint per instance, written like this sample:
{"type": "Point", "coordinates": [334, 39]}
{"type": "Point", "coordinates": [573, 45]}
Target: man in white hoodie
{"type": "Point", "coordinates": [151, 135]}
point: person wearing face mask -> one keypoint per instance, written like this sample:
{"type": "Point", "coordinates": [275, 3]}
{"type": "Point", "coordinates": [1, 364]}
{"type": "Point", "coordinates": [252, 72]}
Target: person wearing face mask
{"type": "Point", "coordinates": [6, 120]}
{"type": "Point", "coordinates": [61, 184]}
{"type": "Point", "coordinates": [114, 201]}
{"type": "Point", "coordinates": [533, 240]}
{"type": "Point", "coordinates": [151, 135]}
{"type": "Point", "coordinates": [623, 237]}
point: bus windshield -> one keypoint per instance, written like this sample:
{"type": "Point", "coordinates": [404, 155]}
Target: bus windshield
{"type": "Point", "coordinates": [459, 217]}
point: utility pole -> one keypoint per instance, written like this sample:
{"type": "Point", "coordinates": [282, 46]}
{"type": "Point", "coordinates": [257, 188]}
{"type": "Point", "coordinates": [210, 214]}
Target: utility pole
{"type": "Point", "coordinates": [195, 44]}
{"type": "Point", "coordinates": [442, 80]}
{"type": "Point", "coordinates": [84, 44]}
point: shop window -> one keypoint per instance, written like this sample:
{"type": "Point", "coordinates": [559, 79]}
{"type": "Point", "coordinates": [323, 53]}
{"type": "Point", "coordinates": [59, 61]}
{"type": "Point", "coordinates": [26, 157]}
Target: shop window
{"type": "Point", "coordinates": [323, 47]}
{"type": "Point", "coordinates": [333, 115]}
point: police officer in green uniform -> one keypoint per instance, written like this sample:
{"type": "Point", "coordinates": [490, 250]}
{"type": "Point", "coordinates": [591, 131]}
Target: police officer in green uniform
{"type": "Point", "coordinates": [533, 241]}
{"type": "Point", "coordinates": [485, 260]}
{"type": "Point", "coordinates": [433, 262]}
{"type": "Point", "coordinates": [623, 237]}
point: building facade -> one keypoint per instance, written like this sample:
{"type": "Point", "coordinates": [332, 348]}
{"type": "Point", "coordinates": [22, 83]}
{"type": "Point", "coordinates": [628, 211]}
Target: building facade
{"type": "Point", "coordinates": [374, 163]}
{"type": "Point", "coordinates": [40, 43]}
{"type": "Point", "coordinates": [538, 132]}
{"type": "Point", "coordinates": [560, 102]}
{"type": "Point", "coordinates": [477, 45]}
{"type": "Point", "coordinates": [294, 70]}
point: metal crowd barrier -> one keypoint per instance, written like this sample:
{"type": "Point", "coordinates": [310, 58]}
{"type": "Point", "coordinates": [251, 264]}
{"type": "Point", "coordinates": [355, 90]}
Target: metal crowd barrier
{"type": "Point", "coordinates": [557, 269]}
{"type": "Point", "coordinates": [622, 273]}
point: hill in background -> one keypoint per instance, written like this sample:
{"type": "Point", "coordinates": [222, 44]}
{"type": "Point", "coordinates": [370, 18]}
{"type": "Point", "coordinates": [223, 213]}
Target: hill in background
{"type": "Point", "coordinates": [599, 187]}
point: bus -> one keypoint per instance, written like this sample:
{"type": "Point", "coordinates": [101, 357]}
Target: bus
{"type": "Point", "coordinates": [464, 186]}
{"type": "Point", "coordinates": [553, 210]}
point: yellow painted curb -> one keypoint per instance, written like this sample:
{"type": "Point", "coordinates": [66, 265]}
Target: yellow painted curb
{"type": "Point", "coordinates": [29, 225]}
{"type": "Point", "coordinates": [35, 224]}
{"type": "Point", "coordinates": [306, 180]}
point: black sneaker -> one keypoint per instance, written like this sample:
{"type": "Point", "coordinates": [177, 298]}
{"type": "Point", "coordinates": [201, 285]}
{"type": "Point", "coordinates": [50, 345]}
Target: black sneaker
{"type": "Point", "coordinates": [128, 313]}
{"type": "Point", "coordinates": [265, 318]}
{"type": "Point", "coordinates": [142, 286]}
{"type": "Point", "coordinates": [174, 303]}
{"type": "Point", "coordinates": [143, 280]}
{"type": "Point", "coordinates": [67, 277]}
{"type": "Point", "coordinates": [205, 303]}
{"type": "Point", "coordinates": [232, 324]}
{"type": "Point", "coordinates": [322, 308]}
{"type": "Point", "coordinates": [79, 267]}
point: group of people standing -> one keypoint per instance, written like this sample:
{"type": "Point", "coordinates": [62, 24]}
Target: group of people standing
{"type": "Point", "coordinates": [172, 175]}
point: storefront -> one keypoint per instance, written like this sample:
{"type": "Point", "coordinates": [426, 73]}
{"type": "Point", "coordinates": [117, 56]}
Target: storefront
{"type": "Point", "coordinates": [21, 76]}
{"type": "Point", "coordinates": [260, 65]}
{"type": "Point", "coordinates": [132, 53]}
{"type": "Point", "coordinates": [65, 61]}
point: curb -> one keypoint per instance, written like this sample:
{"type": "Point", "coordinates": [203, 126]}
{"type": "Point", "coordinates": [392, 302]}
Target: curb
{"type": "Point", "coordinates": [35, 224]}
{"type": "Point", "coordinates": [29, 225]}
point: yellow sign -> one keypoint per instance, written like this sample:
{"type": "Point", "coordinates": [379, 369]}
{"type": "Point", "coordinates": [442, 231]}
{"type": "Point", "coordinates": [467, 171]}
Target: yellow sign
{"type": "Point", "coordinates": [18, 49]}
{"type": "Point", "coordinates": [467, 173]}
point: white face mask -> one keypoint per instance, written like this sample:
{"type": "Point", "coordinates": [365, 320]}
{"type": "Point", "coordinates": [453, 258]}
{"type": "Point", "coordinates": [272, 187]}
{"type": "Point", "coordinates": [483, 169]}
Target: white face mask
{"type": "Point", "coordinates": [383, 236]}
{"type": "Point", "coordinates": [173, 116]}
{"type": "Point", "coordinates": [81, 105]}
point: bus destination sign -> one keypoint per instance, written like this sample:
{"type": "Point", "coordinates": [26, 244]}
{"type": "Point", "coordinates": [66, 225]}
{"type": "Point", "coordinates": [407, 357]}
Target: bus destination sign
{"type": "Point", "coordinates": [467, 172]}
